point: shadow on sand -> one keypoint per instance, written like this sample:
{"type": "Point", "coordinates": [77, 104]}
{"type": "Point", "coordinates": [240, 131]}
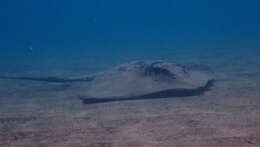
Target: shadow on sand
{"type": "Point", "coordinates": [156, 95]}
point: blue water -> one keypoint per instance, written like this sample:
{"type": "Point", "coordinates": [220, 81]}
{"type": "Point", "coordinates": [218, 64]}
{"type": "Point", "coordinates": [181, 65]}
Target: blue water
{"type": "Point", "coordinates": [71, 38]}
{"type": "Point", "coordinates": [91, 35]}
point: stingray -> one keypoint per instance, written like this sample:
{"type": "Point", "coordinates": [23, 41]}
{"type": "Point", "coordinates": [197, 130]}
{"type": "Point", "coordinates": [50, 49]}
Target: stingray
{"type": "Point", "coordinates": [137, 80]}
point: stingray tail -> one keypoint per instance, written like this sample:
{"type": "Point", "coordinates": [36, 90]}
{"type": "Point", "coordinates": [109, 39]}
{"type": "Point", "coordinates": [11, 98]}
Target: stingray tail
{"type": "Point", "coordinates": [49, 79]}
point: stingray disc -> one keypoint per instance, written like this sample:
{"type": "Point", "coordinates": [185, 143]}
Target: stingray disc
{"type": "Point", "coordinates": [144, 79]}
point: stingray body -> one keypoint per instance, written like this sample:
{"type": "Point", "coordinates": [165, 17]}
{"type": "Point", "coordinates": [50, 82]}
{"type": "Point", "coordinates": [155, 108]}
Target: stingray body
{"type": "Point", "coordinates": [139, 80]}
{"type": "Point", "coordinates": [145, 80]}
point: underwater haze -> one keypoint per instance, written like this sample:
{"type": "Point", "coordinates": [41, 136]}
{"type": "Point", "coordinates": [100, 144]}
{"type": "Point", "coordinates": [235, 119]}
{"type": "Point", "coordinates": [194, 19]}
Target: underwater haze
{"type": "Point", "coordinates": [129, 73]}
{"type": "Point", "coordinates": [91, 35]}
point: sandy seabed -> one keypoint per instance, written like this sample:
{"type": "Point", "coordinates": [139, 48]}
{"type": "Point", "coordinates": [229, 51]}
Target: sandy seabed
{"type": "Point", "coordinates": [38, 114]}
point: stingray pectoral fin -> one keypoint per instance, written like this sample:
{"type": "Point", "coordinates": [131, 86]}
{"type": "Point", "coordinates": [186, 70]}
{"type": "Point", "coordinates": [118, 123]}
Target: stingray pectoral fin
{"type": "Point", "coordinates": [155, 95]}
{"type": "Point", "coordinates": [50, 79]}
